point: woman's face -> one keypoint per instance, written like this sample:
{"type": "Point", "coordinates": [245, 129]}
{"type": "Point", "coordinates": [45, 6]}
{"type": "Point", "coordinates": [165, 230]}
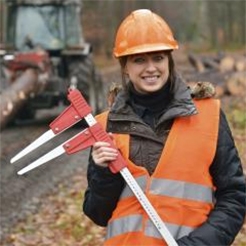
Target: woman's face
{"type": "Point", "coordinates": [148, 72]}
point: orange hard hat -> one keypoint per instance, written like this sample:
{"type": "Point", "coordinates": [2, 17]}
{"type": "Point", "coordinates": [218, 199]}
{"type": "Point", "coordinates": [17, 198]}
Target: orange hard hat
{"type": "Point", "coordinates": [143, 31]}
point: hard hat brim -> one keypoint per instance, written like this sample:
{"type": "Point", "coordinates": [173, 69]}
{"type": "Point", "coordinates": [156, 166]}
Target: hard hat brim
{"type": "Point", "coordinates": [146, 49]}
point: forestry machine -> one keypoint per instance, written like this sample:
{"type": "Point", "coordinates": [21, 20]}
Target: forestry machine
{"type": "Point", "coordinates": [47, 35]}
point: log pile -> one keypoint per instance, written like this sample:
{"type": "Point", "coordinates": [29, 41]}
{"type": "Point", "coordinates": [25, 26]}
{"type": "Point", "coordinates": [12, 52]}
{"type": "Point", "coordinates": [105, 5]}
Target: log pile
{"type": "Point", "coordinates": [13, 98]}
{"type": "Point", "coordinates": [226, 72]}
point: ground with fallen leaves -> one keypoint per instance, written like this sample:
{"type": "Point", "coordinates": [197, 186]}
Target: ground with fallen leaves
{"type": "Point", "coordinates": [59, 221]}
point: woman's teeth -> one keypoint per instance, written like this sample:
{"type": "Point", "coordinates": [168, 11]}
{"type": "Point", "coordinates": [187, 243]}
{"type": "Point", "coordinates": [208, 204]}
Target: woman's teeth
{"type": "Point", "coordinates": [150, 79]}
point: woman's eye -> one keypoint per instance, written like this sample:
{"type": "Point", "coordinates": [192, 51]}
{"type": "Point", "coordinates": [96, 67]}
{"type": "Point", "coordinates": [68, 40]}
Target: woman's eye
{"type": "Point", "coordinates": [158, 58]}
{"type": "Point", "coordinates": [139, 60]}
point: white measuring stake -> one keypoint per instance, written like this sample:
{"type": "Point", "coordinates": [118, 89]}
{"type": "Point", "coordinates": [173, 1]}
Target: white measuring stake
{"type": "Point", "coordinates": [147, 206]}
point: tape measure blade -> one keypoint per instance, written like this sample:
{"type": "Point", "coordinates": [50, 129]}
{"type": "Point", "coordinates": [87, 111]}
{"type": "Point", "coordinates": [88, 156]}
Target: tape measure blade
{"type": "Point", "coordinates": [155, 218]}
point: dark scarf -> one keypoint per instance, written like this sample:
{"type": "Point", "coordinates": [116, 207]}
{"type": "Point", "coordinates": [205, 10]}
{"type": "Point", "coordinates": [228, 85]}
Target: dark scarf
{"type": "Point", "coordinates": [150, 106]}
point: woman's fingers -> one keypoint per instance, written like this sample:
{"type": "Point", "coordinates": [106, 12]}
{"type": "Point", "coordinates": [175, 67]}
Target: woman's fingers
{"type": "Point", "coordinates": [102, 153]}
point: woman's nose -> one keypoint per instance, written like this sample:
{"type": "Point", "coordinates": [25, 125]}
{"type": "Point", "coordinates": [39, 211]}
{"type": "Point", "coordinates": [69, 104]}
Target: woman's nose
{"type": "Point", "coordinates": [150, 66]}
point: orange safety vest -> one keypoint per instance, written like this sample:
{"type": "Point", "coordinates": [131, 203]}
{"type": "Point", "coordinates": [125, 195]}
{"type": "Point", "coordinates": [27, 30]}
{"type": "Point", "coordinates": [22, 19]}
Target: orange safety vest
{"type": "Point", "coordinates": [180, 189]}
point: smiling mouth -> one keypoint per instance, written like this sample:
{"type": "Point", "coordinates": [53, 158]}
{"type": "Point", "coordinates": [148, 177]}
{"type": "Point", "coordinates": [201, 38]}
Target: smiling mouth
{"type": "Point", "coordinates": [150, 79]}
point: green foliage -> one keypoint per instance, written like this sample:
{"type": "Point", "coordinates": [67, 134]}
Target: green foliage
{"type": "Point", "coordinates": [236, 115]}
{"type": "Point", "coordinates": [238, 118]}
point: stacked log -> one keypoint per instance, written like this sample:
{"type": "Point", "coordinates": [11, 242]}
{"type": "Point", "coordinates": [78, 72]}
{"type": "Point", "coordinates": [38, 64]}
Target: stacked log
{"type": "Point", "coordinates": [226, 72]}
{"type": "Point", "coordinates": [236, 84]}
{"type": "Point", "coordinates": [14, 97]}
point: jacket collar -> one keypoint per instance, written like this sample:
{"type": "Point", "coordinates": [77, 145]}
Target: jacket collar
{"type": "Point", "coordinates": [180, 105]}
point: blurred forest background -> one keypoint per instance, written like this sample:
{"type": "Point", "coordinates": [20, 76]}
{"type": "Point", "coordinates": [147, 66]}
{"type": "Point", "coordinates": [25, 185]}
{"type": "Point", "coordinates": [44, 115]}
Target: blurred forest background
{"type": "Point", "coordinates": [201, 24]}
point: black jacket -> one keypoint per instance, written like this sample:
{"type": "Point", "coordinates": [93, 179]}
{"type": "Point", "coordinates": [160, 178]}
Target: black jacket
{"type": "Point", "coordinates": [104, 188]}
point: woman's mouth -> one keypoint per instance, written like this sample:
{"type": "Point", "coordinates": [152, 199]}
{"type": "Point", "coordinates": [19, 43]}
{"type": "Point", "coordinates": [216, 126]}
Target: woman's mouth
{"type": "Point", "coordinates": [150, 79]}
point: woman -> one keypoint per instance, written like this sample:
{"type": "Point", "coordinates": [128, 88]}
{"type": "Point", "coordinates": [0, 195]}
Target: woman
{"type": "Point", "coordinates": [180, 150]}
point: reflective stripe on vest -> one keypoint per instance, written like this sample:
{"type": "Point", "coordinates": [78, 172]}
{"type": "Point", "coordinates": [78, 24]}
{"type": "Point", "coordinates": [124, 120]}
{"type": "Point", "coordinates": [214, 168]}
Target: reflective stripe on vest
{"type": "Point", "coordinates": [173, 188]}
{"type": "Point", "coordinates": [127, 192]}
{"type": "Point", "coordinates": [181, 189]}
{"type": "Point", "coordinates": [134, 224]}
{"type": "Point", "coordinates": [116, 227]}
{"type": "Point", "coordinates": [177, 231]}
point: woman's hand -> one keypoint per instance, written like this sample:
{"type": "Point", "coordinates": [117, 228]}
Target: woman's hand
{"type": "Point", "coordinates": [102, 153]}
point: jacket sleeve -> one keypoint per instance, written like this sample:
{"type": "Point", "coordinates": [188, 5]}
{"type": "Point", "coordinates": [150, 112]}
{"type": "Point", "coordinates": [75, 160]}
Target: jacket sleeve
{"type": "Point", "coordinates": [227, 217]}
{"type": "Point", "coordinates": [102, 194]}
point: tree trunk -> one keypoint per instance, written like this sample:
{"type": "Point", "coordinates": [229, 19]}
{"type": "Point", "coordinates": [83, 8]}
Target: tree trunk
{"type": "Point", "coordinates": [236, 84]}
{"type": "Point", "coordinates": [16, 95]}
{"type": "Point", "coordinates": [227, 64]}
{"type": "Point", "coordinates": [196, 63]}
